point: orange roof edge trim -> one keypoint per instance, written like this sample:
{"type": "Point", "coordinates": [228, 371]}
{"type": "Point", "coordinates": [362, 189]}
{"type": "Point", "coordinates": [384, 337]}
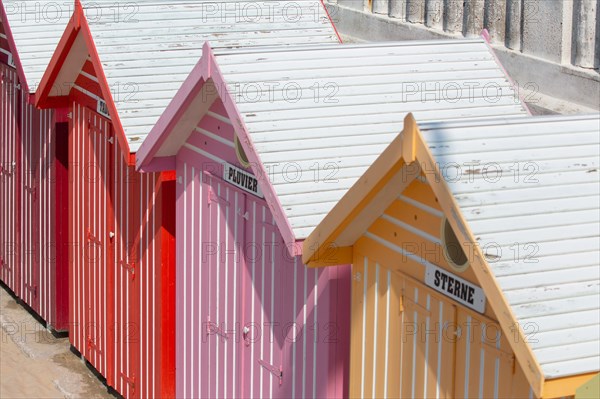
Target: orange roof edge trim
{"type": "Point", "coordinates": [388, 164]}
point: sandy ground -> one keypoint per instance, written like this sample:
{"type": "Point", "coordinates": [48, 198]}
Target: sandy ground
{"type": "Point", "coordinates": [35, 364]}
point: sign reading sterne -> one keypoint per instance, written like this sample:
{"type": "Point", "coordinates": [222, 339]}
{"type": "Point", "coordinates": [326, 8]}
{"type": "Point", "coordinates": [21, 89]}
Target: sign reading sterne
{"type": "Point", "coordinates": [242, 179]}
{"type": "Point", "coordinates": [455, 287]}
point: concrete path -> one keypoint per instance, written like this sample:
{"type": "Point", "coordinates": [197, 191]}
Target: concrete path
{"type": "Point", "coordinates": [35, 364]}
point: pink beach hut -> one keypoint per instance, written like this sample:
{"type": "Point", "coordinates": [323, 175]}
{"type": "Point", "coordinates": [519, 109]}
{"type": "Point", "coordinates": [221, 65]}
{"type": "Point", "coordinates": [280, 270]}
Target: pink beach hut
{"type": "Point", "coordinates": [264, 142]}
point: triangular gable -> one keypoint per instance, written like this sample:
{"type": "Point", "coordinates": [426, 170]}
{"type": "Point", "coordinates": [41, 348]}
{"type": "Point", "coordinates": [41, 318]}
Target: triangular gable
{"type": "Point", "coordinates": [188, 107]}
{"type": "Point", "coordinates": [347, 131]}
{"type": "Point", "coordinates": [31, 32]}
{"type": "Point", "coordinates": [332, 242]}
{"type": "Point", "coordinates": [347, 103]}
{"type": "Point", "coordinates": [74, 49]}
{"type": "Point", "coordinates": [12, 58]}
{"type": "Point", "coordinates": [141, 60]}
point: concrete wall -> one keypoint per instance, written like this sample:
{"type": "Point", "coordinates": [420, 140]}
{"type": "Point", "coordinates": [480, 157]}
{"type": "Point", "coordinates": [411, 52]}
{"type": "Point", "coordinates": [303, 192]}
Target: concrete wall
{"type": "Point", "coordinates": [550, 47]}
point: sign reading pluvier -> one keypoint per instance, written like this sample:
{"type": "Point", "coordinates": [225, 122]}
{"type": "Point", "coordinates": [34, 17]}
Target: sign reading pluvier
{"type": "Point", "coordinates": [455, 287]}
{"type": "Point", "coordinates": [242, 179]}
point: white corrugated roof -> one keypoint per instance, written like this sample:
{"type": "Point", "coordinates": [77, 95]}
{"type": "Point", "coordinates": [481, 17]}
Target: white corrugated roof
{"type": "Point", "coordinates": [329, 111]}
{"type": "Point", "coordinates": [37, 27]}
{"type": "Point", "coordinates": [530, 193]}
{"type": "Point", "coordinates": [152, 47]}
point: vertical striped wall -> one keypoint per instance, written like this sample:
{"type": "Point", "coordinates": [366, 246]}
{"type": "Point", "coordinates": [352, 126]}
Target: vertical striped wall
{"type": "Point", "coordinates": [9, 101]}
{"type": "Point", "coordinates": [408, 340]}
{"type": "Point", "coordinates": [120, 303]}
{"type": "Point", "coordinates": [37, 214]}
{"type": "Point", "coordinates": [234, 273]}
{"type": "Point", "coordinates": [29, 229]}
{"type": "Point", "coordinates": [90, 221]}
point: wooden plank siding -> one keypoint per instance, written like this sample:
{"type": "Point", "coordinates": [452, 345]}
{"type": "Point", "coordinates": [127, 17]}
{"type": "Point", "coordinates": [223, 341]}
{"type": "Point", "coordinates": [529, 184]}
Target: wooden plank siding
{"type": "Point", "coordinates": [10, 270]}
{"type": "Point", "coordinates": [408, 340]}
{"type": "Point", "coordinates": [90, 221]}
{"type": "Point", "coordinates": [122, 271]}
{"type": "Point", "coordinates": [234, 271]}
{"type": "Point", "coordinates": [32, 261]}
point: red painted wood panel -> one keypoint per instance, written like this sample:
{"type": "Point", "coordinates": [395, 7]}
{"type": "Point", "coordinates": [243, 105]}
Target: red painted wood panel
{"type": "Point", "coordinates": [121, 300]}
{"type": "Point", "coordinates": [9, 209]}
{"type": "Point", "coordinates": [91, 221]}
{"type": "Point", "coordinates": [33, 232]}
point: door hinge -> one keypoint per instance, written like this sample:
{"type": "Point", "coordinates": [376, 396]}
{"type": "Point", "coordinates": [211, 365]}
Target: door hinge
{"type": "Point", "coordinates": [213, 197]}
{"type": "Point", "coordinates": [31, 288]}
{"type": "Point", "coordinates": [514, 364]}
{"type": "Point", "coordinates": [244, 215]}
{"type": "Point", "coordinates": [129, 381]}
{"type": "Point", "coordinates": [92, 345]}
{"type": "Point", "coordinates": [130, 267]}
{"type": "Point", "coordinates": [5, 266]}
{"type": "Point", "coordinates": [8, 171]}
{"type": "Point", "coordinates": [213, 328]}
{"type": "Point", "coordinates": [402, 303]}
{"type": "Point", "coordinates": [277, 372]}
{"type": "Point", "coordinates": [458, 332]}
{"type": "Point", "coordinates": [92, 238]}
{"type": "Point", "coordinates": [31, 191]}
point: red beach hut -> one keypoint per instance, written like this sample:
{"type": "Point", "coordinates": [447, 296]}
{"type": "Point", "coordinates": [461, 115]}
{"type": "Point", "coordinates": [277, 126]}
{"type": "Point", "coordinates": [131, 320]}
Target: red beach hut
{"type": "Point", "coordinates": [33, 163]}
{"type": "Point", "coordinates": [116, 73]}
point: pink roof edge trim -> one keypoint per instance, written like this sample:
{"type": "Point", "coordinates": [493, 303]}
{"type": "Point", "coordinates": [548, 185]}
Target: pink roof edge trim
{"type": "Point", "coordinates": [207, 68]}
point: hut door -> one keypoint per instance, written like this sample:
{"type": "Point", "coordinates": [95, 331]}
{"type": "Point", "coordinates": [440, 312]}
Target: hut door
{"type": "Point", "coordinates": [220, 278]}
{"type": "Point", "coordinates": [9, 206]}
{"type": "Point", "coordinates": [30, 167]}
{"type": "Point", "coordinates": [484, 361]}
{"type": "Point", "coordinates": [263, 340]}
{"type": "Point", "coordinates": [428, 339]}
{"type": "Point", "coordinates": [96, 223]}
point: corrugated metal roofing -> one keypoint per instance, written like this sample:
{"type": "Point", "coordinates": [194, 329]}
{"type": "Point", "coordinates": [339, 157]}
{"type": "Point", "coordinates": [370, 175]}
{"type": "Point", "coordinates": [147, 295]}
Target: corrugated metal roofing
{"type": "Point", "coordinates": [529, 190]}
{"type": "Point", "coordinates": [36, 27]}
{"type": "Point", "coordinates": [150, 49]}
{"type": "Point", "coordinates": [319, 116]}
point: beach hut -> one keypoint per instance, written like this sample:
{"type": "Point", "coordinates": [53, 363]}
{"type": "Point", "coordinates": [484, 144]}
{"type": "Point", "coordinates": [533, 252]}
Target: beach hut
{"type": "Point", "coordinates": [116, 71]}
{"type": "Point", "coordinates": [33, 163]}
{"type": "Point", "coordinates": [264, 142]}
{"type": "Point", "coordinates": [474, 250]}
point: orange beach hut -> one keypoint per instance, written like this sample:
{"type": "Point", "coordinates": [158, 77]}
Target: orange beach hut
{"type": "Point", "coordinates": [475, 252]}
